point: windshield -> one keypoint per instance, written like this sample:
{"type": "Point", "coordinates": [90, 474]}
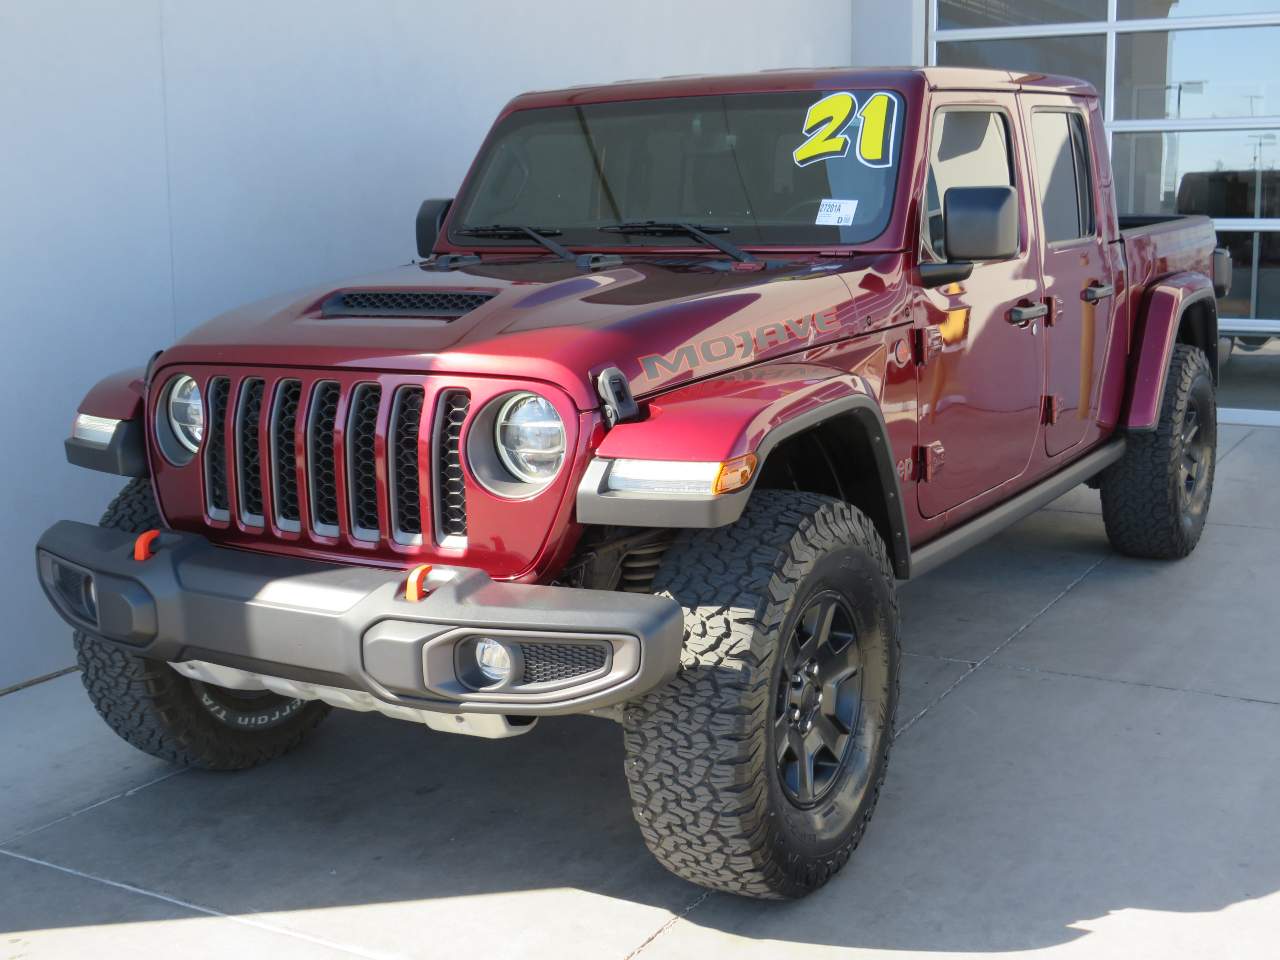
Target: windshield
{"type": "Point", "coordinates": [812, 168]}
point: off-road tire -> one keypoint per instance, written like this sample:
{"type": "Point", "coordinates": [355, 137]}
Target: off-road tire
{"type": "Point", "coordinates": [150, 705]}
{"type": "Point", "coordinates": [1146, 505]}
{"type": "Point", "coordinates": [700, 763]}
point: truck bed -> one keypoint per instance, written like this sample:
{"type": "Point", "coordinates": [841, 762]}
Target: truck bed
{"type": "Point", "coordinates": [1157, 245]}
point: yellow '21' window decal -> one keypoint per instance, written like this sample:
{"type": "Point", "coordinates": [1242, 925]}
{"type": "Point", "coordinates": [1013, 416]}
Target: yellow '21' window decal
{"type": "Point", "coordinates": [826, 121]}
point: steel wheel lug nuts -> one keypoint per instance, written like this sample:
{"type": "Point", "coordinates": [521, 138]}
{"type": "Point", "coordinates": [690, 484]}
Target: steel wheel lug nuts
{"type": "Point", "coordinates": [794, 715]}
{"type": "Point", "coordinates": [812, 669]}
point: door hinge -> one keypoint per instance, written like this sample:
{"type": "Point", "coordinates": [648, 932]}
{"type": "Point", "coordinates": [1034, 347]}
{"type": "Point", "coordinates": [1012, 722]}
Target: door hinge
{"type": "Point", "coordinates": [1055, 307]}
{"type": "Point", "coordinates": [931, 460]}
{"type": "Point", "coordinates": [1050, 409]}
{"type": "Point", "coordinates": [926, 343]}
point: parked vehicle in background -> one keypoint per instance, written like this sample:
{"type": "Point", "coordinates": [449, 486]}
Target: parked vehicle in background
{"type": "Point", "coordinates": [1206, 191]}
{"type": "Point", "coordinates": [691, 372]}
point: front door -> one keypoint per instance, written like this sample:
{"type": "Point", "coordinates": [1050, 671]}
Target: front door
{"type": "Point", "coordinates": [981, 371]}
{"type": "Point", "coordinates": [1077, 272]}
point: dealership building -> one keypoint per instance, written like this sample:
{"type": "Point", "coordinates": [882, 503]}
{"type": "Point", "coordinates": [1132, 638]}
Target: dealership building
{"type": "Point", "coordinates": [169, 161]}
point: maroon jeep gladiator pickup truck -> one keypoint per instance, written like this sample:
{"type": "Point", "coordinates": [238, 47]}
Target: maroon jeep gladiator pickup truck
{"type": "Point", "coordinates": [688, 375]}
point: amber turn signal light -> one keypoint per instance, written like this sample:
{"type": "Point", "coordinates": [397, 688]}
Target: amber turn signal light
{"type": "Point", "coordinates": [735, 474]}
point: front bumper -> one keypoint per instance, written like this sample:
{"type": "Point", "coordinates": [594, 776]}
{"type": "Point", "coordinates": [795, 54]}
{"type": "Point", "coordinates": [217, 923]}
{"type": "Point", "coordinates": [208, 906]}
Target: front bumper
{"type": "Point", "coordinates": [348, 628]}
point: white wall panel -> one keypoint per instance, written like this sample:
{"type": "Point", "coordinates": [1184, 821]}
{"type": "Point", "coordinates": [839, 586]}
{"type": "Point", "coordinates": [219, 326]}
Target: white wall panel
{"type": "Point", "coordinates": [84, 268]}
{"type": "Point", "coordinates": [161, 162]}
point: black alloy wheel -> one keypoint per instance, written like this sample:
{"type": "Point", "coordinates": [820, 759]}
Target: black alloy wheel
{"type": "Point", "coordinates": [819, 699]}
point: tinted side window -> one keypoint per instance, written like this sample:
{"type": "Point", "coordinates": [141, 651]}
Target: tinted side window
{"type": "Point", "coordinates": [1063, 172]}
{"type": "Point", "coordinates": [969, 148]}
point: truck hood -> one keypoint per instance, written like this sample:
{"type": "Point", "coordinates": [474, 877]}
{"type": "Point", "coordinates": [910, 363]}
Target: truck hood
{"type": "Point", "coordinates": [662, 320]}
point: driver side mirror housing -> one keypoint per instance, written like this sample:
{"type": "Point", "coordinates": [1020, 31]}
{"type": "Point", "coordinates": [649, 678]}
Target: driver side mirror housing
{"type": "Point", "coordinates": [430, 219]}
{"type": "Point", "coordinates": [981, 223]}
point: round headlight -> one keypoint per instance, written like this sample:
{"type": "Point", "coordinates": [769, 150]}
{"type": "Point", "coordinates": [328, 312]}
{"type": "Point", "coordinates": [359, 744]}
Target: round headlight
{"type": "Point", "coordinates": [186, 412]}
{"type": "Point", "coordinates": [530, 437]}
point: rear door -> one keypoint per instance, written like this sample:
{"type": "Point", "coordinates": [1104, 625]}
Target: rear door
{"type": "Point", "coordinates": [1075, 268]}
{"type": "Point", "coordinates": [982, 372]}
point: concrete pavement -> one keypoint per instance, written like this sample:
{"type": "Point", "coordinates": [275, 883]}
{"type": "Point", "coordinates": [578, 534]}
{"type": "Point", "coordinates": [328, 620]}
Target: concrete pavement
{"type": "Point", "coordinates": [1087, 767]}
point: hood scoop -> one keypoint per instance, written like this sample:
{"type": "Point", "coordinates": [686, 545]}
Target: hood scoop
{"type": "Point", "coordinates": [439, 304]}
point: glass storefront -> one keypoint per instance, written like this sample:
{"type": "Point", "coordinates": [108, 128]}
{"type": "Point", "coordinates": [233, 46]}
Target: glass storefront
{"type": "Point", "coordinates": [965, 14]}
{"type": "Point", "coordinates": [1164, 9]}
{"type": "Point", "coordinates": [1184, 74]}
{"type": "Point", "coordinates": [1191, 94]}
{"type": "Point", "coordinates": [1083, 57]}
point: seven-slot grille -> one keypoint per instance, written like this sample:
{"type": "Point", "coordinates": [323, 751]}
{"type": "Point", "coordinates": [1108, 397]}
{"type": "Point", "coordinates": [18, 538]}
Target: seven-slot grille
{"type": "Point", "coordinates": [286, 436]}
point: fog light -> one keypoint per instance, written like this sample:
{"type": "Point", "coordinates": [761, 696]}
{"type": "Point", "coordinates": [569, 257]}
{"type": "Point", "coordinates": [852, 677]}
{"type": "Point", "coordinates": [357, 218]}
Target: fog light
{"type": "Point", "coordinates": [493, 659]}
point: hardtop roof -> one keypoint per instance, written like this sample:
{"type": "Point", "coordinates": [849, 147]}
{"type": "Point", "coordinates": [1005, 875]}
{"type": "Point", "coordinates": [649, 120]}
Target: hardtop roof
{"type": "Point", "coordinates": [767, 81]}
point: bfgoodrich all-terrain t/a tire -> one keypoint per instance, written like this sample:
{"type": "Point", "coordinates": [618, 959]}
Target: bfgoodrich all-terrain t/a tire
{"type": "Point", "coordinates": [1155, 499]}
{"type": "Point", "coordinates": [168, 716]}
{"type": "Point", "coordinates": [756, 769]}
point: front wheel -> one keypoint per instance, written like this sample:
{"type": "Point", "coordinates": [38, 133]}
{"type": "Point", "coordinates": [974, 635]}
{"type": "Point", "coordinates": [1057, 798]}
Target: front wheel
{"type": "Point", "coordinates": [756, 769]}
{"type": "Point", "coordinates": [154, 708]}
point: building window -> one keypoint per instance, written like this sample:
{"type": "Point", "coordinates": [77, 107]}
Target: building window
{"type": "Point", "coordinates": [1084, 57]}
{"type": "Point", "coordinates": [1191, 98]}
{"type": "Point", "coordinates": [1161, 9]}
{"type": "Point", "coordinates": [1183, 74]}
{"type": "Point", "coordinates": [962, 14]}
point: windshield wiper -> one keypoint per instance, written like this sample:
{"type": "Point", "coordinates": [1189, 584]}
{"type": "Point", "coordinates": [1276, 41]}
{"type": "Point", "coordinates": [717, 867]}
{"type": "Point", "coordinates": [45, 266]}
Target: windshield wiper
{"type": "Point", "coordinates": [661, 228]}
{"type": "Point", "coordinates": [540, 235]}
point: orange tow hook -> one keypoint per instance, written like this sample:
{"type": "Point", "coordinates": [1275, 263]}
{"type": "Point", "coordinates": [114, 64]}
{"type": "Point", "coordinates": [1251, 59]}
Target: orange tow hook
{"type": "Point", "coordinates": [415, 588]}
{"type": "Point", "coordinates": [144, 546]}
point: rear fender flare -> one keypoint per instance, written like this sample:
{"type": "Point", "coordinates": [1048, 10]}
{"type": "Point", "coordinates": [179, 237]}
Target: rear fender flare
{"type": "Point", "coordinates": [1164, 310]}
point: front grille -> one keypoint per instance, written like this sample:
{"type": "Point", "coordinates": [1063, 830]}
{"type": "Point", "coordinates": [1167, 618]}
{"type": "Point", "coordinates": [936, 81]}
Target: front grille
{"type": "Point", "coordinates": [326, 459]}
{"type": "Point", "coordinates": [322, 469]}
{"type": "Point", "coordinates": [362, 462]}
{"type": "Point", "coordinates": [451, 490]}
{"type": "Point", "coordinates": [547, 662]}
{"type": "Point", "coordinates": [402, 303]}
{"type": "Point", "coordinates": [215, 455]}
{"type": "Point", "coordinates": [406, 425]}
{"type": "Point", "coordinates": [284, 474]}
{"type": "Point", "coordinates": [248, 446]}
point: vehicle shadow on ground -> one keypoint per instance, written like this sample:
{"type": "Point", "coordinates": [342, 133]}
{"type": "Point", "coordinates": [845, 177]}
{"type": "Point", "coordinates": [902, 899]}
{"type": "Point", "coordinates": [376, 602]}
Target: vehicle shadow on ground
{"type": "Point", "coordinates": [375, 811]}
{"type": "Point", "coordinates": [1017, 810]}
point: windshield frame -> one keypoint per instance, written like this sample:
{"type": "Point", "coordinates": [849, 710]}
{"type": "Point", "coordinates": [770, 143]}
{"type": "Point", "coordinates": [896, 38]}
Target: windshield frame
{"type": "Point", "coordinates": [891, 238]}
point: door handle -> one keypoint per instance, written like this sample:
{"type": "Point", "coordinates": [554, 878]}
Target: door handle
{"type": "Point", "coordinates": [1021, 316]}
{"type": "Point", "coordinates": [1097, 291]}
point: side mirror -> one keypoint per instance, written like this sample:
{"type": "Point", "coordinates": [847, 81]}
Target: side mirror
{"type": "Point", "coordinates": [430, 218]}
{"type": "Point", "coordinates": [981, 223]}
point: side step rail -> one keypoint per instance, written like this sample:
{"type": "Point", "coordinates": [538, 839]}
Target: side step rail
{"type": "Point", "coordinates": [955, 542]}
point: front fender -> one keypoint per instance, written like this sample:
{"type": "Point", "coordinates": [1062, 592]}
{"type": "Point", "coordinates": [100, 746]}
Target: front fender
{"type": "Point", "coordinates": [749, 411]}
{"type": "Point", "coordinates": [1164, 307]}
{"type": "Point", "coordinates": [119, 398]}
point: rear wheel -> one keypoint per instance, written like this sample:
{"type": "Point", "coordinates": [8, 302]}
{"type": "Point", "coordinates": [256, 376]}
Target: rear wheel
{"type": "Point", "coordinates": [1155, 499]}
{"type": "Point", "coordinates": [756, 769]}
{"type": "Point", "coordinates": [148, 704]}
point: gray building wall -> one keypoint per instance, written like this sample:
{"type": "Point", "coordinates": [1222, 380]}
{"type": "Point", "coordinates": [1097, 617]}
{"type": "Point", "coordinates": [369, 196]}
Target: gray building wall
{"type": "Point", "coordinates": [161, 162]}
{"type": "Point", "coordinates": [890, 34]}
